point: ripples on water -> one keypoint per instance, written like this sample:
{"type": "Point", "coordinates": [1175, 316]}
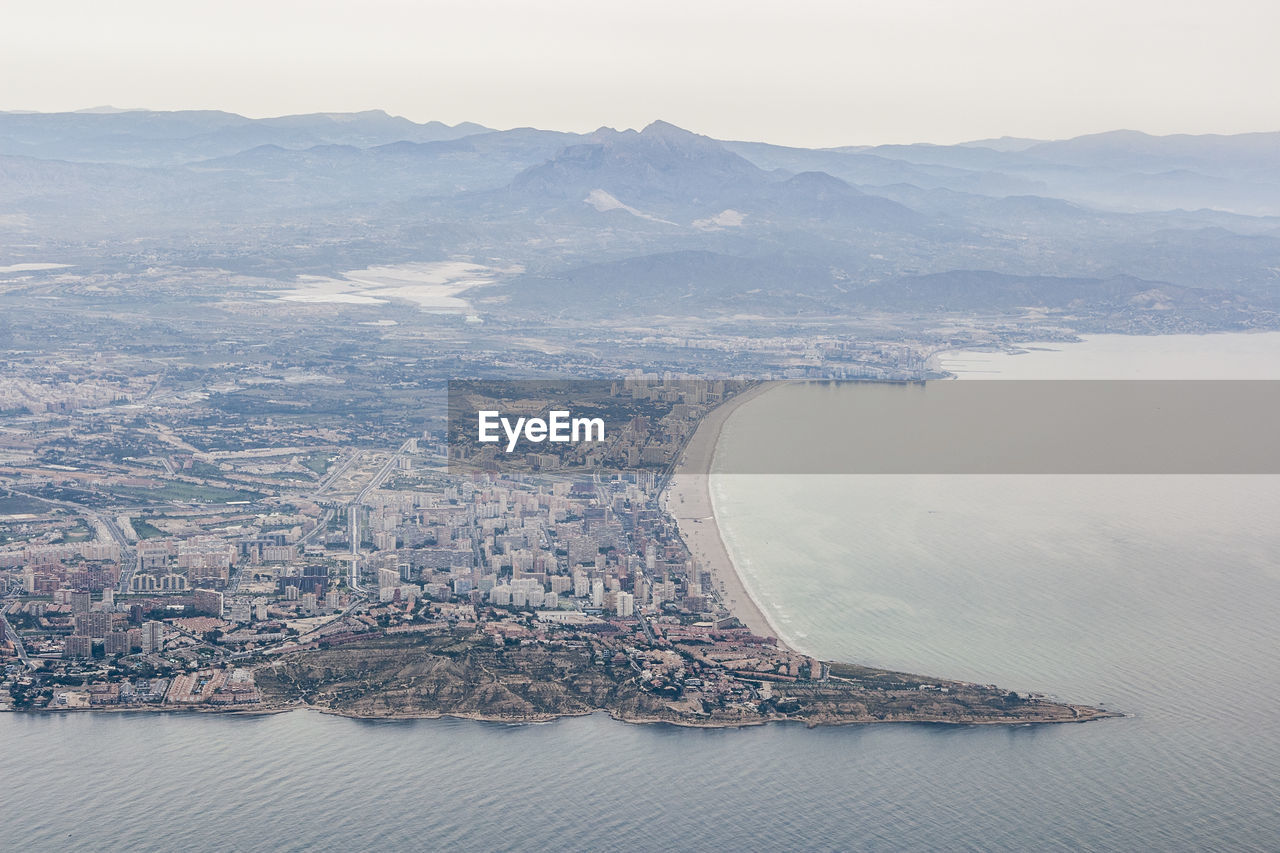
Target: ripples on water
{"type": "Point", "coordinates": [303, 781]}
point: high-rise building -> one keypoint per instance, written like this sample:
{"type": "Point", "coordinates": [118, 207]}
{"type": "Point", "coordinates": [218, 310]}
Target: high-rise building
{"type": "Point", "coordinates": [278, 553]}
{"type": "Point", "coordinates": [238, 611]}
{"type": "Point", "coordinates": [81, 601]}
{"type": "Point", "coordinates": [94, 624]}
{"type": "Point", "coordinates": [314, 578]}
{"type": "Point", "coordinates": [209, 602]}
{"type": "Point", "coordinates": [152, 636]}
{"type": "Point", "coordinates": [77, 646]}
{"type": "Point", "coordinates": [117, 643]}
{"type": "Point", "coordinates": [625, 604]}
{"type": "Point", "coordinates": [99, 624]}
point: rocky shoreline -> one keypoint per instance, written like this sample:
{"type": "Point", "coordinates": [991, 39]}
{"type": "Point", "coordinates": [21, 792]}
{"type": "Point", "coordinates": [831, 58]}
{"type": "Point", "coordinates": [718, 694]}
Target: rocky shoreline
{"type": "Point", "coordinates": [463, 677]}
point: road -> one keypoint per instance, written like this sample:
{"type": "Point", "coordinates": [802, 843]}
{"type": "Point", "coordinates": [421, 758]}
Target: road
{"type": "Point", "coordinates": [102, 523]}
{"type": "Point", "coordinates": [320, 525]}
{"type": "Point", "coordinates": [353, 510]}
{"type": "Point", "coordinates": [644, 625]}
{"type": "Point", "coordinates": [127, 562]}
{"type": "Point", "coordinates": [9, 632]}
{"type": "Point", "coordinates": [337, 471]}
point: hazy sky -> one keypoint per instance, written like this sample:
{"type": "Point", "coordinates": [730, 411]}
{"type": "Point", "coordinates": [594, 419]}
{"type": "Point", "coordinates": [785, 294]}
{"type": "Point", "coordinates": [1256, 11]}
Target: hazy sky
{"type": "Point", "coordinates": [801, 72]}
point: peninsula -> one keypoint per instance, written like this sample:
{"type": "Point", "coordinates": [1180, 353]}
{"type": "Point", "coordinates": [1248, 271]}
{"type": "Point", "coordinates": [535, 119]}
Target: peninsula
{"type": "Point", "coordinates": [514, 595]}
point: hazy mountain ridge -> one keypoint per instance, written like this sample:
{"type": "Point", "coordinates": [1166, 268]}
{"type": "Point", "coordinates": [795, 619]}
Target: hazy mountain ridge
{"type": "Point", "coordinates": [664, 220]}
{"type": "Point", "coordinates": [147, 138]}
{"type": "Point", "coordinates": [662, 164]}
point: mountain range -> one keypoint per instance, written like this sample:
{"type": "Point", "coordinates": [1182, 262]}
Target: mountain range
{"type": "Point", "coordinates": [663, 220]}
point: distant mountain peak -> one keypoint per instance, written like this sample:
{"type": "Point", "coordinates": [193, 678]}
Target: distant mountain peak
{"type": "Point", "coordinates": [821, 181]}
{"type": "Point", "coordinates": [662, 164]}
{"type": "Point", "coordinates": [659, 127]}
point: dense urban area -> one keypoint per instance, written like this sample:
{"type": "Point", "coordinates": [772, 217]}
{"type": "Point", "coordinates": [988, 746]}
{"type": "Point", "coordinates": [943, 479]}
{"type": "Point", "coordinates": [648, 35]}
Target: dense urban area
{"type": "Point", "coordinates": [254, 532]}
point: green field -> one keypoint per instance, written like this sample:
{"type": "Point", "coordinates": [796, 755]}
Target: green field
{"type": "Point", "coordinates": [318, 462]}
{"type": "Point", "coordinates": [145, 529]}
{"type": "Point", "coordinates": [82, 532]}
{"type": "Point", "coordinates": [202, 469]}
{"type": "Point", "coordinates": [11, 504]}
{"type": "Point", "coordinates": [185, 492]}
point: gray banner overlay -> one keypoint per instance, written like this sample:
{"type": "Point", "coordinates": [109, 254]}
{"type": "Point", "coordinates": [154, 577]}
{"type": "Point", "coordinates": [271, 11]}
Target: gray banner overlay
{"type": "Point", "coordinates": [942, 427]}
{"type": "Point", "coordinates": [618, 425]}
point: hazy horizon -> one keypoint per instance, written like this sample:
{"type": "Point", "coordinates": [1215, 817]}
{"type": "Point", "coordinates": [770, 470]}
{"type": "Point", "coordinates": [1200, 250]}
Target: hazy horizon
{"type": "Point", "coordinates": [110, 109]}
{"type": "Point", "coordinates": [920, 71]}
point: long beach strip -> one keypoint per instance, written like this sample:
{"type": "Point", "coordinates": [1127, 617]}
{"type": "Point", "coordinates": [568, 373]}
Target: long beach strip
{"type": "Point", "coordinates": [688, 500]}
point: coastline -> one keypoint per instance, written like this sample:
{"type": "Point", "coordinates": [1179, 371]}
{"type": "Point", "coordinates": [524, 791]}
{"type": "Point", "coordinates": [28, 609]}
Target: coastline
{"type": "Point", "coordinates": [687, 499]}
{"type": "Point", "coordinates": [1081, 714]}
{"type": "Point", "coordinates": [845, 694]}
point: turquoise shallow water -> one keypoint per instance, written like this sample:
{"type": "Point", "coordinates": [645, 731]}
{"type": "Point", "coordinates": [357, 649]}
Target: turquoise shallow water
{"type": "Point", "coordinates": [1154, 595]}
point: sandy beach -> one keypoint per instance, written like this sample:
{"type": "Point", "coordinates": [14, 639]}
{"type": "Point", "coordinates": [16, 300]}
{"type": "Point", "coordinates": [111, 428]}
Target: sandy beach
{"type": "Point", "coordinates": [688, 499]}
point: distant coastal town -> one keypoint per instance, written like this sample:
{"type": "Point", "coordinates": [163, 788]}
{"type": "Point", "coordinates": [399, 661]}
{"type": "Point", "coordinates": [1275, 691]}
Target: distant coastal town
{"type": "Point", "coordinates": [404, 586]}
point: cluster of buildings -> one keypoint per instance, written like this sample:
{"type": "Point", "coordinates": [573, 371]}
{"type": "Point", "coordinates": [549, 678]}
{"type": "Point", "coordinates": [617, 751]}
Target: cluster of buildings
{"type": "Point", "coordinates": [69, 392]}
{"type": "Point", "coordinates": [213, 688]}
{"type": "Point", "coordinates": [380, 543]}
{"type": "Point", "coordinates": [519, 557]}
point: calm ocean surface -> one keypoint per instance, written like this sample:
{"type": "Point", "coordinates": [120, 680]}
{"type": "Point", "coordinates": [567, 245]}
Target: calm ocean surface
{"type": "Point", "coordinates": [1157, 596]}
